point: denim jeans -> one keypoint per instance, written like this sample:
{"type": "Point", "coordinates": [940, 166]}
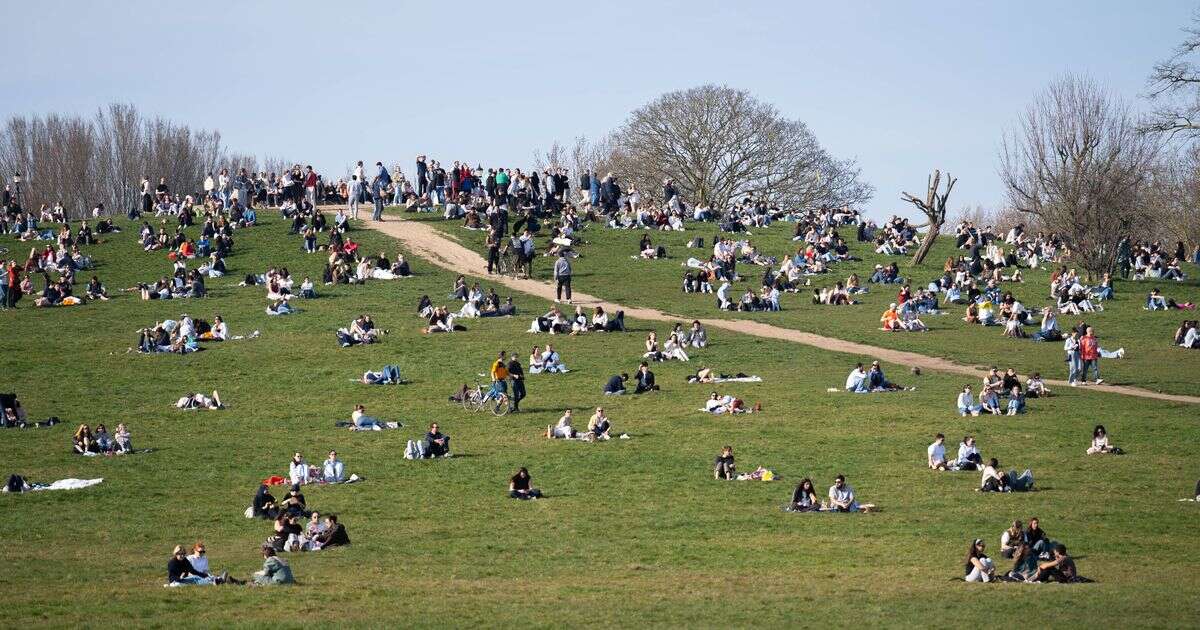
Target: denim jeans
{"type": "Point", "coordinates": [1074, 368]}
{"type": "Point", "coordinates": [1090, 364]}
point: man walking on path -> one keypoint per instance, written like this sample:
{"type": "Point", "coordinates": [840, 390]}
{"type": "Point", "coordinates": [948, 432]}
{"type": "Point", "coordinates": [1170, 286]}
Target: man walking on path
{"type": "Point", "coordinates": [382, 180]}
{"type": "Point", "coordinates": [1089, 352]}
{"type": "Point", "coordinates": [562, 277]}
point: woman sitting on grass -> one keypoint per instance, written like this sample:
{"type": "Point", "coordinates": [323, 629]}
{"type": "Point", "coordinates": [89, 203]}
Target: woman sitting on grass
{"type": "Point", "coordinates": [978, 567]}
{"type": "Point", "coordinates": [84, 443]}
{"type": "Point", "coordinates": [804, 498]}
{"type": "Point", "coordinates": [564, 429]}
{"type": "Point", "coordinates": [966, 402]}
{"type": "Point", "coordinates": [1100, 442]}
{"type": "Point", "coordinates": [1035, 387]}
{"type": "Point", "coordinates": [520, 486]}
{"type": "Point", "coordinates": [968, 455]}
{"type": "Point", "coordinates": [180, 571]}
{"type": "Point", "coordinates": [995, 481]}
{"type": "Point", "coordinates": [724, 466]}
{"type": "Point", "coordinates": [1016, 401]}
{"type": "Point", "coordinates": [989, 401]}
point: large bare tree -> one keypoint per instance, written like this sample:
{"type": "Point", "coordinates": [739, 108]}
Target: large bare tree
{"type": "Point", "coordinates": [1078, 162]}
{"type": "Point", "coordinates": [1174, 84]}
{"type": "Point", "coordinates": [934, 208]}
{"type": "Point", "coordinates": [719, 143]}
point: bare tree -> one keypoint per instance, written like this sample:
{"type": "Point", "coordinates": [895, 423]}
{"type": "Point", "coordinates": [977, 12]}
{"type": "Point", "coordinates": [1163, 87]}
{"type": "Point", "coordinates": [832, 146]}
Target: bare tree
{"type": "Point", "coordinates": [1174, 84]}
{"type": "Point", "coordinates": [1078, 162]}
{"type": "Point", "coordinates": [934, 208]}
{"type": "Point", "coordinates": [718, 143]}
{"type": "Point", "coordinates": [1174, 196]}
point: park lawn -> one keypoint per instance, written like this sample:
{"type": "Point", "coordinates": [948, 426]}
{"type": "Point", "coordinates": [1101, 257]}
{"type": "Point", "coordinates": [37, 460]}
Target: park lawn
{"type": "Point", "coordinates": [632, 532]}
{"type": "Point", "coordinates": [609, 269]}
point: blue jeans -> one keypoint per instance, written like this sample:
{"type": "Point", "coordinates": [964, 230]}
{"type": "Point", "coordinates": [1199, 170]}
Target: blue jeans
{"type": "Point", "coordinates": [1090, 364]}
{"type": "Point", "coordinates": [1074, 367]}
{"type": "Point", "coordinates": [367, 421]}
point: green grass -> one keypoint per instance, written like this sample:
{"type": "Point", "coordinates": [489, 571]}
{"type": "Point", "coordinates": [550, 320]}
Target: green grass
{"type": "Point", "coordinates": [634, 532]}
{"type": "Point", "coordinates": [1151, 361]}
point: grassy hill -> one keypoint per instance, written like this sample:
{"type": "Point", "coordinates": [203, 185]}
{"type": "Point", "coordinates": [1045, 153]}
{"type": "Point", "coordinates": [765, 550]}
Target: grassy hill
{"type": "Point", "coordinates": [634, 531]}
{"type": "Point", "coordinates": [607, 270]}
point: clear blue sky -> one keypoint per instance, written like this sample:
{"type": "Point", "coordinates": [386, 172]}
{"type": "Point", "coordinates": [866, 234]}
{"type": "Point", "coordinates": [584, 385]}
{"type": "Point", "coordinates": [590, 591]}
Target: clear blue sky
{"type": "Point", "coordinates": [902, 86]}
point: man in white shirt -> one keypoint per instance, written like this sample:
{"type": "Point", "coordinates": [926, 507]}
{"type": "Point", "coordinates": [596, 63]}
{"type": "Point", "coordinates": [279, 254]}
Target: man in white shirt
{"type": "Point", "coordinates": [937, 453]}
{"type": "Point", "coordinates": [354, 193]}
{"type": "Point", "coordinates": [841, 496]}
{"type": "Point", "coordinates": [857, 380]}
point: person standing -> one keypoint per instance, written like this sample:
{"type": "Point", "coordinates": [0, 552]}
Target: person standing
{"type": "Point", "coordinates": [1089, 353]}
{"type": "Point", "coordinates": [562, 277]}
{"type": "Point", "coordinates": [422, 176]}
{"type": "Point", "coordinates": [517, 374]}
{"type": "Point", "coordinates": [355, 193]}
{"type": "Point", "coordinates": [1074, 364]}
{"type": "Point", "coordinates": [310, 187]}
{"type": "Point", "coordinates": [493, 250]}
{"type": "Point", "coordinates": [378, 186]}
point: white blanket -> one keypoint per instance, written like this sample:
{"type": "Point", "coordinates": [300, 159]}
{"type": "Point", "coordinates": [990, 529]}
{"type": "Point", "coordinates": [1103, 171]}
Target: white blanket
{"type": "Point", "coordinates": [63, 484]}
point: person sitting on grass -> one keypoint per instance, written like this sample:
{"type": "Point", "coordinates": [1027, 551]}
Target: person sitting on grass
{"type": "Point", "coordinates": [437, 444]}
{"type": "Point", "coordinates": [333, 470]}
{"type": "Point", "coordinates": [1100, 442]}
{"type": "Point", "coordinates": [263, 504]}
{"type": "Point", "coordinates": [877, 382]}
{"type": "Point", "coordinates": [552, 362]}
{"type": "Point", "coordinates": [275, 570]}
{"type": "Point", "coordinates": [1035, 387]}
{"type": "Point", "coordinates": [841, 496]}
{"type": "Point", "coordinates": [1011, 539]}
{"type": "Point", "coordinates": [857, 380]}
{"type": "Point", "coordinates": [1060, 568]}
{"type": "Point", "coordinates": [564, 429]}
{"type": "Point", "coordinates": [966, 402]}
{"type": "Point", "coordinates": [890, 320]}
{"type": "Point", "coordinates": [199, 560]}
{"type": "Point", "coordinates": [989, 401]}
{"type": "Point", "coordinates": [968, 455]}
{"type": "Point", "coordinates": [520, 486]}
{"type": "Point", "coordinates": [95, 290]}
{"type": "Point", "coordinates": [1016, 401]}
{"type": "Point", "coordinates": [616, 384]}
{"type": "Point", "coordinates": [122, 440]}
{"type": "Point", "coordinates": [724, 466]}
{"type": "Point", "coordinates": [334, 534]}
{"type": "Point", "coordinates": [804, 498]}
{"type": "Point", "coordinates": [180, 571]}
{"type": "Point", "coordinates": [200, 401]}
{"type": "Point", "coordinates": [645, 379]}
{"type": "Point", "coordinates": [389, 375]}
{"type": "Point", "coordinates": [84, 442]}
{"type": "Point", "coordinates": [978, 567]}
{"type": "Point", "coordinates": [936, 453]}
{"type": "Point", "coordinates": [599, 425]}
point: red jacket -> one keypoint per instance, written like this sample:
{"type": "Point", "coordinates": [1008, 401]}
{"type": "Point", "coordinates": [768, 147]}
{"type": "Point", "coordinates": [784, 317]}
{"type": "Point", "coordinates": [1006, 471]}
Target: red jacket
{"type": "Point", "coordinates": [1089, 348]}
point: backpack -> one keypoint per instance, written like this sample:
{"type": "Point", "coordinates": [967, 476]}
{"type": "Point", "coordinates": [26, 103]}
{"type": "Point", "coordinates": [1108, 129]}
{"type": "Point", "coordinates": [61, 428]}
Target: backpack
{"type": "Point", "coordinates": [410, 451]}
{"type": "Point", "coordinates": [661, 252]}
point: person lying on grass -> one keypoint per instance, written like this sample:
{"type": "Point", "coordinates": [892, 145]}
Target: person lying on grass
{"type": "Point", "coordinates": [727, 404]}
{"type": "Point", "coordinates": [280, 307]}
{"type": "Point", "coordinates": [361, 421]}
{"type": "Point", "coordinates": [994, 480]}
{"type": "Point", "coordinates": [1100, 442]}
{"type": "Point", "coordinates": [194, 400]}
{"type": "Point", "coordinates": [520, 486]}
{"type": "Point", "coordinates": [389, 375]}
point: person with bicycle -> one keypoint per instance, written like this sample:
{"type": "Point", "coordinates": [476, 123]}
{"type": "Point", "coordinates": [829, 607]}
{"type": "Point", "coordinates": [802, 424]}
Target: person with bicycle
{"type": "Point", "coordinates": [499, 373]}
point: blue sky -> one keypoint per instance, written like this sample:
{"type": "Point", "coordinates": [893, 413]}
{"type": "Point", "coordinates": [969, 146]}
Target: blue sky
{"type": "Point", "coordinates": [903, 87]}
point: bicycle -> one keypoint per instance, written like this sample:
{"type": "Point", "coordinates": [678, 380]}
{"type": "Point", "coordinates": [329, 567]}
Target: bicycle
{"type": "Point", "coordinates": [477, 399]}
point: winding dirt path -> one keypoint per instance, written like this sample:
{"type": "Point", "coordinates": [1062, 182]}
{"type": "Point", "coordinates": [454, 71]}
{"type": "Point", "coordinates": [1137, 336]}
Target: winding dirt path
{"type": "Point", "coordinates": [428, 243]}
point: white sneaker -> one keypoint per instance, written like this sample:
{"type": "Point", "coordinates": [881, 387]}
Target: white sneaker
{"type": "Point", "coordinates": [1074, 384]}
{"type": "Point", "coordinates": [1099, 381]}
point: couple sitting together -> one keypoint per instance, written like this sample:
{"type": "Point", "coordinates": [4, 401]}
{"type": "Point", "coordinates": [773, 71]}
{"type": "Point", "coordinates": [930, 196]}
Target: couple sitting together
{"type": "Point", "coordinates": [598, 427]}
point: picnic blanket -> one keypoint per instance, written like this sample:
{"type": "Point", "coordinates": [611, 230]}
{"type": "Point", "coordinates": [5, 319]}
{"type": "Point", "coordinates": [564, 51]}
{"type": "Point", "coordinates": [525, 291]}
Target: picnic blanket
{"type": "Point", "coordinates": [343, 424]}
{"type": "Point", "coordinates": [61, 484]}
{"type": "Point", "coordinates": [739, 379]}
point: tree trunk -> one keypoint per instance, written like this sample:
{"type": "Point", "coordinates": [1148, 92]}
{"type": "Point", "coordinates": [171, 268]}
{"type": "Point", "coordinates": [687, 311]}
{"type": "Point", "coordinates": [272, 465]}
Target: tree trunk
{"type": "Point", "coordinates": [926, 244]}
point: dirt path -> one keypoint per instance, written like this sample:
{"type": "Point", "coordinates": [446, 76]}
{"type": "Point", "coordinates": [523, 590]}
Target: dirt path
{"type": "Point", "coordinates": [428, 243]}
